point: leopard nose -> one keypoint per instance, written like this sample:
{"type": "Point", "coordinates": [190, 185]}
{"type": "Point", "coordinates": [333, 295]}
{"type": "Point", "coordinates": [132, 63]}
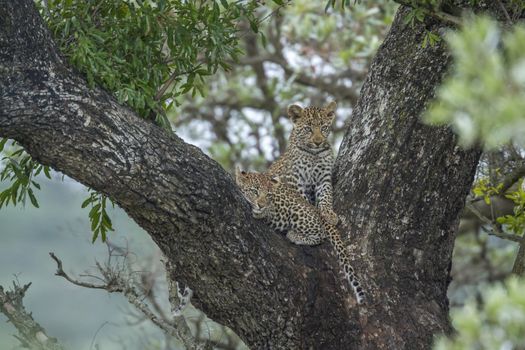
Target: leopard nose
{"type": "Point", "coordinates": [318, 141]}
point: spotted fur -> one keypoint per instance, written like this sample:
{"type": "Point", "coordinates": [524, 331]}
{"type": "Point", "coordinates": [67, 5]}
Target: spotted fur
{"type": "Point", "coordinates": [308, 160]}
{"type": "Point", "coordinates": [281, 206]}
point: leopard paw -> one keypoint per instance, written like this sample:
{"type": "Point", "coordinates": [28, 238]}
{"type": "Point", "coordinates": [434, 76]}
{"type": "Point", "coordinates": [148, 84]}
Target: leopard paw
{"type": "Point", "coordinates": [258, 213]}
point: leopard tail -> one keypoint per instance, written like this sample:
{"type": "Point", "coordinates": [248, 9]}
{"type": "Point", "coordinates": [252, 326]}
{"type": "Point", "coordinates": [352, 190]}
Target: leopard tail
{"type": "Point", "coordinates": [342, 254]}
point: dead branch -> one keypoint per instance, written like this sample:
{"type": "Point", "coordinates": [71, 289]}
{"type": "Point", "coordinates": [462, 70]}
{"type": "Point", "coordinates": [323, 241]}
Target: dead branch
{"type": "Point", "coordinates": [120, 280]}
{"type": "Point", "coordinates": [30, 334]}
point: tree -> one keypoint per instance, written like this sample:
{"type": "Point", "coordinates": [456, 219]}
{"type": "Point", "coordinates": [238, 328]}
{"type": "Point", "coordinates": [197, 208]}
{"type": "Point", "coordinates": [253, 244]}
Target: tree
{"type": "Point", "coordinates": [399, 184]}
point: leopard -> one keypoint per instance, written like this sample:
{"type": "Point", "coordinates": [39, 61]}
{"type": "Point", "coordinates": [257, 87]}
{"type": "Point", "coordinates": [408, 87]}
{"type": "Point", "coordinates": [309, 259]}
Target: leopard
{"type": "Point", "coordinates": [286, 210]}
{"type": "Point", "coordinates": [308, 160]}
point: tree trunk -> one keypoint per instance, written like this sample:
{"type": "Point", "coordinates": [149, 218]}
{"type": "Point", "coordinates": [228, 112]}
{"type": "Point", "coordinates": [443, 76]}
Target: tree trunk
{"type": "Point", "coordinates": [399, 188]}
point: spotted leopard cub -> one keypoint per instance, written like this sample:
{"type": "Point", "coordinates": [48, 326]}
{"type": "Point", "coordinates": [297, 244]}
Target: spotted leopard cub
{"type": "Point", "coordinates": [308, 160]}
{"type": "Point", "coordinates": [284, 209]}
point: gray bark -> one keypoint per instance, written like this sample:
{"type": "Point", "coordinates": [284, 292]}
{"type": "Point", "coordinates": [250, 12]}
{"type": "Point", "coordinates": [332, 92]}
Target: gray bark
{"type": "Point", "coordinates": [400, 186]}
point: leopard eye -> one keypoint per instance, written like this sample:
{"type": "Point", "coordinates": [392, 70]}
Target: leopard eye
{"type": "Point", "coordinates": [308, 128]}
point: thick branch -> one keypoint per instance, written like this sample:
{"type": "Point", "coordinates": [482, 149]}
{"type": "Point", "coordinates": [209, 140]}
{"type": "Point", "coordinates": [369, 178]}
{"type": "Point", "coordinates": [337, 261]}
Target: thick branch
{"type": "Point", "coordinates": [244, 275]}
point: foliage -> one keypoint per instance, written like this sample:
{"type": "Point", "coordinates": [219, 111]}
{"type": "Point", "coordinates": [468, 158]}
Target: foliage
{"type": "Point", "coordinates": [20, 169]}
{"type": "Point", "coordinates": [148, 54]}
{"type": "Point", "coordinates": [483, 187]}
{"type": "Point", "coordinates": [484, 101]}
{"type": "Point", "coordinates": [515, 222]}
{"type": "Point", "coordinates": [496, 322]}
{"type": "Point", "coordinates": [98, 216]}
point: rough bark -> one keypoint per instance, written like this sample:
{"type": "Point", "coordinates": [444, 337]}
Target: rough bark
{"type": "Point", "coordinates": [400, 186]}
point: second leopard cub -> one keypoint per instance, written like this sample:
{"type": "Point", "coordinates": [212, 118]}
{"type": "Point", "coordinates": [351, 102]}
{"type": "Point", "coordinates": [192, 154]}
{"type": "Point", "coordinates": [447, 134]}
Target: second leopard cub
{"type": "Point", "coordinates": [281, 206]}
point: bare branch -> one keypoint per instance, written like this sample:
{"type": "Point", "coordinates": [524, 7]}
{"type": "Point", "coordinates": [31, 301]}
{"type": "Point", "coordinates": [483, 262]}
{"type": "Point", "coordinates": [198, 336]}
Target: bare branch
{"type": "Point", "coordinates": [495, 229]}
{"type": "Point", "coordinates": [60, 272]}
{"type": "Point", "coordinates": [30, 333]}
{"type": "Point", "coordinates": [119, 280]}
{"type": "Point", "coordinates": [505, 12]}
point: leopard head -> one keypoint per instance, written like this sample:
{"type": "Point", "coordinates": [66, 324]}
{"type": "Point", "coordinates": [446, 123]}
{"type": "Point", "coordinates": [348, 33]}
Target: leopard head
{"type": "Point", "coordinates": [255, 187]}
{"type": "Point", "coordinates": [312, 126]}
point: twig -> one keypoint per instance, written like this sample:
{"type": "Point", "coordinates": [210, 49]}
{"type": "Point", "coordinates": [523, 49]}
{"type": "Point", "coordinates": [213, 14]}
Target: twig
{"type": "Point", "coordinates": [504, 10]}
{"type": "Point", "coordinates": [271, 14]}
{"type": "Point", "coordinates": [96, 333]}
{"type": "Point", "coordinates": [172, 78]}
{"type": "Point", "coordinates": [496, 231]}
{"type": "Point", "coordinates": [503, 235]}
{"type": "Point", "coordinates": [60, 272]}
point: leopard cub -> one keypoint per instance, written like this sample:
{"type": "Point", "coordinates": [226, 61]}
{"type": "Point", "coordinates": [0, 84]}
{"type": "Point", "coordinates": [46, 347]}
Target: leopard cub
{"type": "Point", "coordinates": [308, 160]}
{"type": "Point", "coordinates": [281, 206]}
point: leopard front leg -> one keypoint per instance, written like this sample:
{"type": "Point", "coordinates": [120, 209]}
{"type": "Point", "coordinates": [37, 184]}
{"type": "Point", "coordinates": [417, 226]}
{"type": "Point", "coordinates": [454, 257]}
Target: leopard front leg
{"type": "Point", "coordinates": [323, 194]}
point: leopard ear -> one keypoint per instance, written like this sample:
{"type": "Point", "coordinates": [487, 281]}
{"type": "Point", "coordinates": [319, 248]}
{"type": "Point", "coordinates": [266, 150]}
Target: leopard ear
{"type": "Point", "coordinates": [331, 106]}
{"type": "Point", "coordinates": [295, 112]}
{"type": "Point", "coordinates": [330, 110]}
{"type": "Point", "coordinates": [239, 173]}
{"type": "Point", "coordinates": [275, 179]}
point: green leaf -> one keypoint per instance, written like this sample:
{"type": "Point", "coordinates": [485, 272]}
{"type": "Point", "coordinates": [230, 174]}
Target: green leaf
{"type": "Point", "coordinates": [4, 197]}
{"type": "Point", "coordinates": [95, 235]}
{"type": "Point", "coordinates": [2, 143]}
{"type": "Point", "coordinates": [95, 218]}
{"type": "Point", "coordinates": [86, 202]}
{"type": "Point", "coordinates": [263, 40]}
{"type": "Point", "coordinates": [32, 198]}
{"type": "Point", "coordinates": [95, 209]}
{"type": "Point", "coordinates": [106, 221]}
{"type": "Point", "coordinates": [254, 26]}
{"type": "Point", "coordinates": [46, 172]}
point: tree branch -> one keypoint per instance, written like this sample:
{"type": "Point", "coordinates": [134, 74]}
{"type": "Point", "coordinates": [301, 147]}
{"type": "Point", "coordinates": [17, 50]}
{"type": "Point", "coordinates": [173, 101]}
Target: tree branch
{"type": "Point", "coordinates": [117, 281]}
{"type": "Point", "coordinates": [505, 12]}
{"type": "Point", "coordinates": [183, 199]}
{"type": "Point", "coordinates": [440, 15]}
{"type": "Point", "coordinates": [496, 230]}
{"type": "Point", "coordinates": [30, 333]}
